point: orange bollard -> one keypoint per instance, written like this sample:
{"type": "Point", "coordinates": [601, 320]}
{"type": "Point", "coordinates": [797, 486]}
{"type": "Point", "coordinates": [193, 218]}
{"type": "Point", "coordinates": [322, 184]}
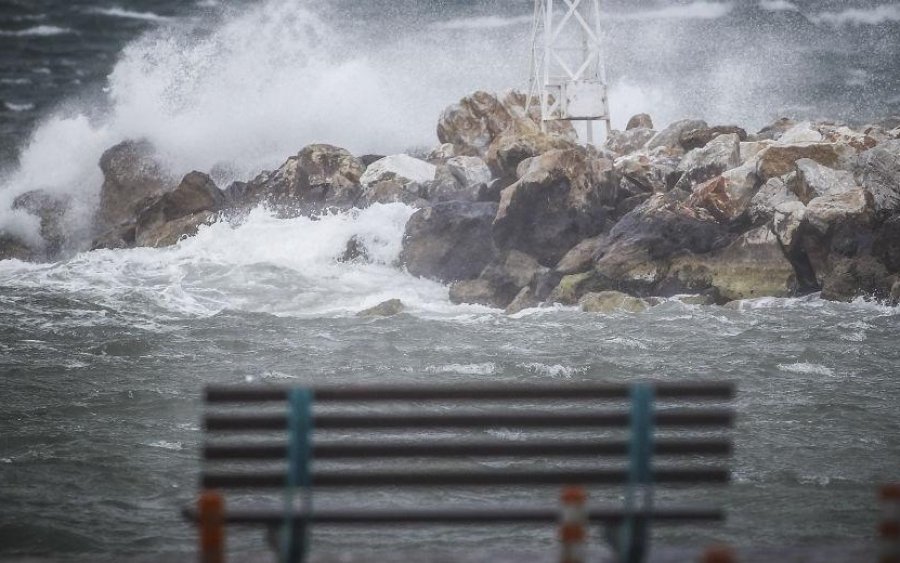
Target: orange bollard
{"type": "Point", "coordinates": [719, 554]}
{"type": "Point", "coordinates": [211, 517]}
{"type": "Point", "coordinates": [573, 526]}
{"type": "Point", "coordinates": [889, 528]}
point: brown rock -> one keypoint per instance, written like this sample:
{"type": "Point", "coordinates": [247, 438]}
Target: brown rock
{"type": "Point", "coordinates": [778, 160]}
{"type": "Point", "coordinates": [132, 174]}
{"type": "Point", "coordinates": [639, 121]}
{"type": "Point", "coordinates": [608, 302]}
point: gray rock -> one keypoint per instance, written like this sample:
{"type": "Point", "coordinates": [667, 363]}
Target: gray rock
{"type": "Point", "coordinates": [555, 205]}
{"type": "Point", "coordinates": [196, 197]}
{"type": "Point", "coordinates": [581, 257]}
{"type": "Point", "coordinates": [787, 218]}
{"type": "Point", "coordinates": [752, 266]}
{"type": "Point", "coordinates": [880, 174]}
{"type": "Point", "coordinates": [401, 168]}
{"type": "Point", "coordinates": [800, 133]}
{"type": "Point", "coordinates": [480, 119]}
{"type": "Point", "coordinates": [627, 142]}
{"type": "Point", "coordinates": [463, 178]}
{"type": "Point", "coordinates": [159, 235]}
{"type": "Point", "coordinates": [772, 194]}
{"type": "Point", "coordinates": [699, 138]}
{"type": "Point", "coordinates": [608, 302]}
{"type": "Point", "coordinates": [774, 131]}
{"type": "Point", "coordinates": [639, 121]}
{"type": "Point", "coordinates": [721, 154]}
{"type": "Point", "coordinates": [526, 299]}
{"type": "Point", "coordinates": [132, 174]}
{"type": "Point", "coordinates": [825, 211]}
{"type": "Point", "coordinates": [450, 241]}
{"type": "Point", "coordinates": [778, 160]}
{"type": "Point", "coordinates": [318, 178]}
{"type": "Point", "coordinates": [476, 292]}
{"type": "Point", "coordinates": [672, 136]}
{"type": "Point", "coordinates": [815, 180]}
{"type": "Point", "coordinates": [388, 308]}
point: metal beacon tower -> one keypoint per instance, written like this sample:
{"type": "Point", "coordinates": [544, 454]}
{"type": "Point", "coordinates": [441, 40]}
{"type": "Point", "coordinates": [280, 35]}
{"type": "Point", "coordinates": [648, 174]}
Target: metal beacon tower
{"type": "Point", "coordinates": [568, 74]}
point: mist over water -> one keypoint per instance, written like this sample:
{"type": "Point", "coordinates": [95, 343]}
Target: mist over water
{"type": "Point", "coordinates": [103, 354]}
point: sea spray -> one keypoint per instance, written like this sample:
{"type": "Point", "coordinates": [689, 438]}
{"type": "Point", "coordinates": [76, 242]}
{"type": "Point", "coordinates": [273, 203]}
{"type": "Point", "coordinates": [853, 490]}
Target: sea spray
{"type": "Point", "coordinates": [263, 264]}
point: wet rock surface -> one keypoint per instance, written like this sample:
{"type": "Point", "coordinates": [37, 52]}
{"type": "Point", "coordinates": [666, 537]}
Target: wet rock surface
{"type": "Point", "coordinates": [514, 215]}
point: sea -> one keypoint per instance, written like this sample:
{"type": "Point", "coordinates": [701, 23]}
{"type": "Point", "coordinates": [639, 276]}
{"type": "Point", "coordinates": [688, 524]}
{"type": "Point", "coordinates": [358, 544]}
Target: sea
{"type": "Point", "coordinates": [104, 354]}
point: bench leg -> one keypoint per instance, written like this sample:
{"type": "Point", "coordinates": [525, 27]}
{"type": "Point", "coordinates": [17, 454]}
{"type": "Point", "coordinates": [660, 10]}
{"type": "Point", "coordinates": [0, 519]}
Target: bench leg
{"type": "Point", "coordinates": [211, 512]}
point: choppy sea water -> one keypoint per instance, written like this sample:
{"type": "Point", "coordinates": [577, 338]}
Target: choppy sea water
{"type": "Point", "coordinates": [103, 358]}
{"type": "Point", "coordinates": [103, 355]}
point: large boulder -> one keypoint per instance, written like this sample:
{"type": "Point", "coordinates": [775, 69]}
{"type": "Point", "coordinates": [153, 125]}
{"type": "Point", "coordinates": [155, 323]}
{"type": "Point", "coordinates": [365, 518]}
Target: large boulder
{"type": "Point", "coordinates": [825, 212]}
{"type": "Point", "coordinates": [159, 235]}
{"type": "Point", "coordinates": [581, 257]}
{"type": "Point", "coordinates": [132, 174]}
{"type": "Point", "coordinates": [389, 308]}
{"type": "Point", "coordinates": [473, 124]}
{"type": "Point", "coordinates": [815, 180]}
{"type": "Point", "coordinates": [639, 121]}
{"type": "Point", "coordinates": [672, 136]}
{"type": "Point", "coordinates": [752, 266]}
{"type": "Point", "coordinates": [699, 138]}
{"type": "Point", "coordinates": [772, 194]}
{"type": "Point", "coordinates": [521, 142]}
{"type": "Point", "coordinates": [778, 160]}
{"type": "Point", "coordinates": [318, 178]}
{"type": "Point", "coordinates": [641, 173]}
{"type": "Point", "coordinates": [608, 302]}
{"type": "Point", "coordinates": [500, 282]}
{"type": "Point", "coordinates": [880, 175]}
{"type": "Point", "coordinates": [463, 178]}
{"type": "Point", "coordinates": [450, 241]}
{"type": "Point", "coordinates": [397, 178]}
{"type": "Point", "coordinates": [556, 204]}
{"type": "Point", "coordinates": [721, 154]}
{"type": "Point", "coordinates": [627, 142]}
{"type": "Point", "coordinates": [180, 212]}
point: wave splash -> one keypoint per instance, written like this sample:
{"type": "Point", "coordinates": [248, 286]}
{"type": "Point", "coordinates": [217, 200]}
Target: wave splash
{"type": "Point", "coordinates": [238, 267]}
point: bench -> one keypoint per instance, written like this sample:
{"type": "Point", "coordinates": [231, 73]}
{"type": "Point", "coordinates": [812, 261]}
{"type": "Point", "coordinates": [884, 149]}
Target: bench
{"type": "Point", "coordinates": [285, 444]}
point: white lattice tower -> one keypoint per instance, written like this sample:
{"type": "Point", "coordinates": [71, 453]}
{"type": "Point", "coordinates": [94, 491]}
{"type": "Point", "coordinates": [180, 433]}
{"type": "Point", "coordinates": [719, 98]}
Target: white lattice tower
{"type": "Point", "coordinates": [568, 74]}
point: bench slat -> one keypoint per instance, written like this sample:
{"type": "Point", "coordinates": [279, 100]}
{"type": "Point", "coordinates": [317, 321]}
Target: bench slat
{"type": "Point", "coordinates": [594, 391]}
{"type": "Point", "coordinates": [610, 419]}
{"type": "Point", "coordinates": [278, 450]}
{"type": "Point", "coordinates": [611, 515]}
{"type": "Point", "coordinates": [276, 479]}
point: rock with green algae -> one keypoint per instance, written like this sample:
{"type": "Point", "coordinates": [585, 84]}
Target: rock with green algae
{"type": "Point", "coordinates": [612, 302]}
{"type": "Point", "coordinates": [388, 308]}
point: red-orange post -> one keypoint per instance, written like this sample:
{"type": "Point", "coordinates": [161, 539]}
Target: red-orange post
{"type": "Point", "coordinates": [211, 516]}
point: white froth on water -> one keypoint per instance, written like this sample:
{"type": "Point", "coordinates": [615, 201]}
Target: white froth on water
{"type": "Point", "coordinates": [778, 6]}
{"type": "Point", "coordinates": [807, 368]}
{"type": "Point", "coordinates": [38, 31]}
{"type": "Point", "coordinates": [119, 12]}
{"type": "Point", "coordinates": [876, 15]}
{"type": "Point", "coordinates": [285, 267]}
{"type": "Point", "coordinates": [486, 368]}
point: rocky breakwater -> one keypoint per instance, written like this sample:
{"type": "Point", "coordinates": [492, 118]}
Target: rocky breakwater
{"type": "Point", "coordinates": [513, 216]}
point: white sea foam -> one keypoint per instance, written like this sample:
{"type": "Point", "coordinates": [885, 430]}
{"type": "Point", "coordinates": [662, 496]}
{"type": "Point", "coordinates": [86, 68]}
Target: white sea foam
{"type": "Point", "coordinates": [698, 10]}
{"type": "Point", "coordinates": [778, 6]}
{"type": "Point", "coordinates": [165, 445]}
{"type": "Point", "coordinates": [555, 371]}
{"type": "Point", "coordinates": [806, 368]}
{"type": "Point", "coordinates": [282, 267]}
{"type": "Point", "coordinates": [119, 12]}
{"type": "Point", "coordinates": [38, 31]}
{"type": "Point", "coordinates": [486, 368]}
{"type": "Point", "coordinates": [18, 107]}
{"type": "Point", "coordinates": [877, 15]}
{"type": "Point", "coordinates": [483, 22]}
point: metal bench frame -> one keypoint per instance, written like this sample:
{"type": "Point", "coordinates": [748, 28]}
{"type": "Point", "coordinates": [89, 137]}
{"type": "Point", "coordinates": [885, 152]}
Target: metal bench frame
{"type": "Point", "coordinates": [252, 418]}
